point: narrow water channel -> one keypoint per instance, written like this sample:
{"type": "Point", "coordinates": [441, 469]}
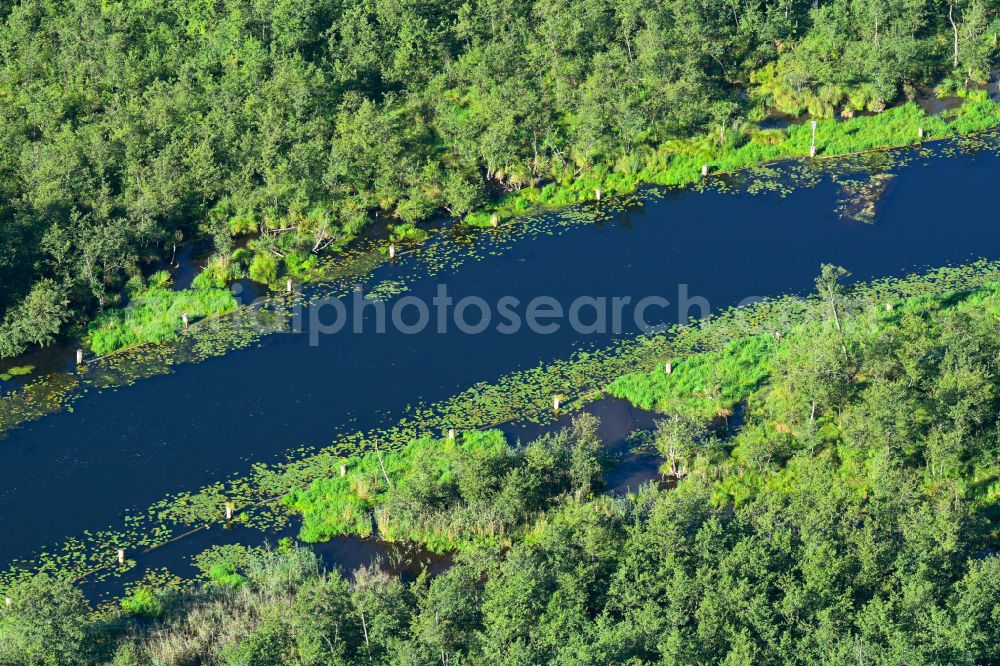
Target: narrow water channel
{"type": "Point", "coordinates": [124, 449]}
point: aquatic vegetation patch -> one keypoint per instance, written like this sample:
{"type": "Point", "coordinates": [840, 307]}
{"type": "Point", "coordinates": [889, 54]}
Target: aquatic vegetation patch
{"type": "Point", "coordinates": [857, 200]}
{"type": "Point", "coordinates": [16, 371]}
{"type": "Point", "coordinates": [386, 290]}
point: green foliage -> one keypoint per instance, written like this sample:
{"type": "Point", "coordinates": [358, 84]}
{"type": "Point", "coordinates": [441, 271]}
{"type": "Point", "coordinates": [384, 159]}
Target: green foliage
{"type": "Point", "coordinates": [224, 573]}
{"type": "Point", "coordinates": [264, 268]}
{"type": "Point", "coordinates": [681, 441]}
{"type": "Point", "coordinates": [188, 121]}
{"type": "Point", "coordinates": [143, 602]}
{"type": "Point", "coordinates": [220, 271]}
{"type": "Point", "coordinates": [43, 623]}
{"type": "Point", "coordinates": [449, 494]}
{"type": "Point", "coordinates": [267, 645]}
{"type": "Point", "coordinates": [155, 315]}
{"type": "Point", "coordinates": [704, 386]}
{"type": "Point", "coordinates": [407, 233]}
{"type": "Point", "coordinates": [36, 320]}
{"type": "Point", "coordinates": [160, 280]}
{"type": "Point", "coordinates": [222, 565]}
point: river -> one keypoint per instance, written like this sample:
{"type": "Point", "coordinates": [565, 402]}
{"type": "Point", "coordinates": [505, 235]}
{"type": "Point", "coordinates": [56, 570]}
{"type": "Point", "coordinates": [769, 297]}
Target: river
{"type": "Point", "coordinates": [124, 448]}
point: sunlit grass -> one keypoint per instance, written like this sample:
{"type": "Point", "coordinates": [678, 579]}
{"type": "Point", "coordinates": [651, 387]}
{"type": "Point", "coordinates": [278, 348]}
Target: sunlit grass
{"type": "Point", "coordinates": [679, 162]}
{"type": "Point", "coordinates": [155, 315]}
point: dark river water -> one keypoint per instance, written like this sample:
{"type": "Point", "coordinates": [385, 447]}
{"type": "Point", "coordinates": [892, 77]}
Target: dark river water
{"type": "Point", "coordinates": [126, 448]}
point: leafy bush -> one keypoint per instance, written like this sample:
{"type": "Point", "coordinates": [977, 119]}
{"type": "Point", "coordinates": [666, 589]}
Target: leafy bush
{"type": "Point", "coordinates": [450, 494]}
{"type": "Point", "coordinates": [407, 233]}
{"type": "Point", "coordinates": [264, 268]}
{"type": "Point", "coordinates": [37, 320]}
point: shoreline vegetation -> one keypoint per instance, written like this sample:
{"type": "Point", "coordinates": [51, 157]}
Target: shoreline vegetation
{"type": "Point", "coordinates": [483, 490]}
{"type": "Point", "coordinates": [153, 312]}
{"type": "Point", "coordinates": [157, 318]}
{"type": "Point", "coordinates": [520, 397]}
{"type": "Point", "coordinates": [679, 163]}
{"type": "Point", "coordinates": [174, 124]}
{"type": "Point", "coordinates": [862, 488]}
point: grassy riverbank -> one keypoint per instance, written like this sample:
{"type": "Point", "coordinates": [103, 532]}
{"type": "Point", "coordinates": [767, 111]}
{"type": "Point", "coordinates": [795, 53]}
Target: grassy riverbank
{"type": "Point", "coordinates": [155, 317]}
{"type": "Point", "coordinates": [703, 386]}
{"type": "Point", "coordinates": [679, 162]}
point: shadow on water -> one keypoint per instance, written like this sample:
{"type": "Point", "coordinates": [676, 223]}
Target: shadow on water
{"type": "Point", "coordinates": [933, 105]}
{"type": "Point", "coordinates": [777, 120]}
{"type": "Point", "coordinates": [634, 461]}
{"type": "Point", "coordinates": [188, 262]}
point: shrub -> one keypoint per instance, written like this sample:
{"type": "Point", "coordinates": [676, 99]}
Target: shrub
{"type": "Point", "coordinates": [264, 268]}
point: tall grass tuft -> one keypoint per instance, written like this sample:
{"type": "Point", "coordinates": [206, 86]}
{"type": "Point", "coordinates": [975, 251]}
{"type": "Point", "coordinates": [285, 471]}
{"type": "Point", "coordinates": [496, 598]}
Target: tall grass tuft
{"type": "Point", "coordinates": [155, 315]}
{"type": "Point", "coordinates": [705, 385]}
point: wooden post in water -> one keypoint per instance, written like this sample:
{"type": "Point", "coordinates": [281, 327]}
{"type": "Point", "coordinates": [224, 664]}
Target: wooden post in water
{"type": "Point", "coordinates": [704, 171]}
{"type": "Point", "coordinates": [184, 318]}
{"type": "Point", "coordinates": [812, 150]}
{"type": "Point", "coordinates": [121, 556]}
{"type": "Point", "coordinates": [392, 251]}
{"type": "Point", "coordinates": [451, 434]}
{"type": "Point", "coordinates": [343, 470]}
{"type": "Point", "coordinates": [79, 357]}
{"type": "Point", "coordinates": [668, 367]}
{"type": "Point", "coordinates": [555, 403]}
{"type": "Point", "coordinates": [494, 220]}
{"type": "Point", "coordinates": [288, 286]}
{"type": "Point", "coordinates": [229, 511]}
{"type": "Point", "coordinates": [597, 193]}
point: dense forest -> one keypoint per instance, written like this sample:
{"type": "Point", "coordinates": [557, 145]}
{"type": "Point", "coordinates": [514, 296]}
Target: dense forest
{"type": "Point", "coordinates": [277, 129]}
{"type": "Point", "coordinates": [851, 517]}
